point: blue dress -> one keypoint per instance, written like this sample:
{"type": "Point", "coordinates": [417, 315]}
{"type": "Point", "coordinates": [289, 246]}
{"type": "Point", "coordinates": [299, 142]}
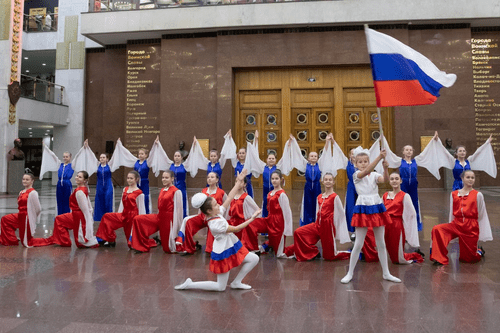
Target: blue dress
{"type": "Point", "coordinates": [64, 188]}
{"type": "Point", "coordinates": [312, 189]}
{"type": "Point", "coordinates": [143, 170]}
{"type": "Point", "coordinates": [103, 193]}
{"type": "Point", "coordinates": [217, 169]}
{"type": "Point", "coordinates": [351, 196]}
{"type": "Point", "coordinates": [408, 173]}
{"type": "Point", "coordinates": [238, 169]}
{"type": "Point", "coordinates": [457, 172]}
{"type": "Point", "coordinates": [267, 187]}
{"type": "Point", "coordinates": [180, 183]}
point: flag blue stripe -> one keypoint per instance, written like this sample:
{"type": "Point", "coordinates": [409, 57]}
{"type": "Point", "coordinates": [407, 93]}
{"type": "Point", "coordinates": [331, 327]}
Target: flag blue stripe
{"type": "Point", "coordinates": [395, 67]}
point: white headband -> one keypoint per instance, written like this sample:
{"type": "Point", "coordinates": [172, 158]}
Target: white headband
{"type": "Point", "coordinates": [198, 200]}
{"type": "Point", "coordinates": [358, 150]}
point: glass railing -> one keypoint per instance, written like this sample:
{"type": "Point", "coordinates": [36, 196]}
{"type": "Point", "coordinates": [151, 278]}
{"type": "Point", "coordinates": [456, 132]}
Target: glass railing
{"type": "Point", "coordinates": [41, 90]}
{"type": "Point", "coordinates": [40, 23]}
{"type": "Point", "coordinates": [117, 5]}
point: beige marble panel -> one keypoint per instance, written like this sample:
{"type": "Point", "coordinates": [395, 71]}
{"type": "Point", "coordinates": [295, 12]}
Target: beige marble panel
{"type": "Point", "coordinates": [62, 55]}
{"type": "Point", "coordinates": [4, 19]}
{"type": "Point", "coordinates": [77, 55]}
{"type": "Point", "coordinates": [70, 28]}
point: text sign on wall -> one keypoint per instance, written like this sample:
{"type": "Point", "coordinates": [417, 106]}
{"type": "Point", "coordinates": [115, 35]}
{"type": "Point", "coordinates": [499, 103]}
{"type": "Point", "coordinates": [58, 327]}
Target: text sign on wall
{"type": "Point", "coordinates": [486, 81]}
{"type": "Point", "coordinates": [142, 122]}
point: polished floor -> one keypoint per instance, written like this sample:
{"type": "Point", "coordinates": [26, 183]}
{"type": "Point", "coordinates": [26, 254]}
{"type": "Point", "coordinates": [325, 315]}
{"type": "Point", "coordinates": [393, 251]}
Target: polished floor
{"type": "Point", "coordinates": [70, 290]}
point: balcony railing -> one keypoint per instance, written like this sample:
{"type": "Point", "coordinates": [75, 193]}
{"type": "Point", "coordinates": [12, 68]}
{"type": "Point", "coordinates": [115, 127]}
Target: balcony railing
{"type": "Point", "coordinates": [118, 5]}
{"type": "Point", "coordinates": [40, 23]}
{"type": "Point", "coordinates": [41, 90]}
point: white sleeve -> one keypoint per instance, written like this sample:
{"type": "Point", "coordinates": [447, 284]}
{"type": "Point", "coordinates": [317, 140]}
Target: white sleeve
{"type": "Point", "coordinates": [85, 160]}
{"type": "Point", "coordinates": [121, 157]}
{"type": "Point", "coordinates": [120, 209]}
{"type": "Point", "coordinates": [34, 210]}
{"type": "Point", "coordinates": [339, 221]}
{"type": "Point", "coordinates": [287, 214]}
{"type": "Point", "coordinates": [252, 162]}
{"type": "Point", "coordinates": [483, 220]}
{"type": "Point", "coordinates": [435, 156]}
{"type": "Point", "coordinates": [249, 207]}
{"type": "Point", "coordinates": [297, 161]}
{"type": "Point", "coordinates": [176, 219]}
{"type": "Point", "coordinates": [326, 162]}
{"type": "Point", "coordinates": [484, 160]}
{"type": "Point", "coordinates": [226, 211]}
{"type": "Point", "coordinates": [228, 152]}
{"type": "Point", "coordinates": [410, 222]}
{"type": "Point", "coordinates": [86, 208]}
{"type": "Point", "coordinates": [50, 162]}
{"type": "Point", "coordinates": [140, 204]}
{"type": "Point", "coordinates": [285, 163]}
{"type": "Point", "coordinates": [158, 159]}
{"type": "Point", "coordinates": [339, 160]}
{"type": "Point", "coordinates": [393, 160]}
{"type": "Point", "coordinates": [195, 160]}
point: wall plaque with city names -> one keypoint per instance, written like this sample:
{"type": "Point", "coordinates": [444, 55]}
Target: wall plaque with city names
{"type": "Point", "coordinates": [142, 115]}
{"type": "Point", "coordinates": [486, 82]}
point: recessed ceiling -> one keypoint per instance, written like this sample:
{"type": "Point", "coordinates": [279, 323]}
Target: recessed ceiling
{"type": "Point", "coordinates": [33, 129]}
{"type": "Point", "coordinates": [36, 60]}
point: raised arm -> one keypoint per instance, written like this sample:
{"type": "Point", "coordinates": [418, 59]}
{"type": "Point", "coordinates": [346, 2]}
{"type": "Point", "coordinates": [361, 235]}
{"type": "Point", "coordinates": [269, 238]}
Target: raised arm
{"type": "Point", "coordinates": [297, 161]}
{"type": "Point", "coordinates": [228, 151]}
{"type": "Point", "coordinates": [239, 182]}
{"type": "Point", "coordinates": [484, 159]}
{"type": "Point", "coordinates": [85, 160]}
{"type": "Point", "coordinates": [372, 165]}
{"type": "Point", "coordinates": [195, 160]}
{"type": "Point", "coordinates": [121, 157]}
{"type": "Point", "coordinates": [435, 156]}
{"type": "Point", "coordinates": [50, 162]}
{"type": "Point", "coordinates": [158, 159]}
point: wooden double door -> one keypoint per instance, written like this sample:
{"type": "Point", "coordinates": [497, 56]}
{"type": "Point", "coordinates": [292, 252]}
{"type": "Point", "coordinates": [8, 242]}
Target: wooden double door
{"type": "Point", "coordinates": [309, 104]}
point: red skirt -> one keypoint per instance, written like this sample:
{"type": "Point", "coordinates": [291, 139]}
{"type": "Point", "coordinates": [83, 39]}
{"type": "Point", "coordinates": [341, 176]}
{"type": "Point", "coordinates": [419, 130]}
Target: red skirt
{"type": "Point", "coordinates": [371, 220]}
{"type": "Point", "coordinates": [226, 264]}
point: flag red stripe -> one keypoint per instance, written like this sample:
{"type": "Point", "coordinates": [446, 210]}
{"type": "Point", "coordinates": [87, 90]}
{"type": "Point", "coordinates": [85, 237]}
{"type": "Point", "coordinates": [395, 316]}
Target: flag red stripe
{"type": "Point", "coordinates": [401, 93]}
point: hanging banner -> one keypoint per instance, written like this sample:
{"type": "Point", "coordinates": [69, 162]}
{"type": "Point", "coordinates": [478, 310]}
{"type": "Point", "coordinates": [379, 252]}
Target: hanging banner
{"type": "Point", "coordinates": [16, 28]}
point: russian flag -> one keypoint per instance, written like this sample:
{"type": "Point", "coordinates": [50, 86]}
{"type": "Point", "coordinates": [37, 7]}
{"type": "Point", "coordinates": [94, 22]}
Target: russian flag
{"type": "Point", "coordinates": [401, 75]}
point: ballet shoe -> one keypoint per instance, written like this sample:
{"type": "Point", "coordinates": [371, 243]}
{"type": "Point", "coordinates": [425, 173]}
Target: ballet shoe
{"type": "Point", "coordinates": [391, 278]}
{"type": "Point", "coordinates": [346, 279]}
{"type": "Point", "coordinates": [183, 285]}
{"type": "Point", "coordinates": [239, 285]}
{"type": "Point", "coordinates": [157, 240]}
{"type": "Point", "coordinates": [109, 244]}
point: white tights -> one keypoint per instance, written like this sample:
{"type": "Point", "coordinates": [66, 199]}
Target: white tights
{"type": "Point", "coordinates": [382, 253]}
{"type": "Point", "coordinates": [250, 261]}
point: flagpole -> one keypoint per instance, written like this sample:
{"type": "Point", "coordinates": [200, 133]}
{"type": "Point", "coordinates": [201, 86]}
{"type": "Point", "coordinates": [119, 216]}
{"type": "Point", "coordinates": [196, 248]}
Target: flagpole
{"type": "Point", "coordinates": [381, 130]}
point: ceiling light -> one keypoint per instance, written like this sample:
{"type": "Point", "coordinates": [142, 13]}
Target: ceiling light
{"type": "Point", "coordinates": [47, 131]}
{"type": "Point", "coordinates": [27, 71]}
{"type": "Point", "coordinates": [44, 64]}
{"type": "Point", "coordinates": [26, 58]}
{"type": "Point", "coordinates": [31, 136]}
{"type": "Point", "coordinates": [30, 128]}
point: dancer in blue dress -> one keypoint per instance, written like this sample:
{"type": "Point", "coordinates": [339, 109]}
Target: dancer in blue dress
{"type": "Point", "coordinates": [482, 160]}
{"type": "Point", "coordinates": [104, 193]}
{"type": "Point", "coordinates": [65, 171]}
{"type": "Point", "coordinates": [160, 162]}
{"type": "Point", "coordinates": [312, 167]}
{"type": "Point", "coordinates": [238, 168]}
{"type": "Point", "coordinates": [351, 195]}
{"type": "Point", "coordinates": [141, 166]}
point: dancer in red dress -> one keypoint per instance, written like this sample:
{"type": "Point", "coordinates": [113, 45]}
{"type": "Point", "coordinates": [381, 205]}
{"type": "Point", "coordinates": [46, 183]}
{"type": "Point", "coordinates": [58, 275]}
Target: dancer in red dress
{"type": "Point", "coordinates": [167, 221]}
{"type": "Point", "coordinates": [228, 252]}
{"type": "Point", "coordinates": [330, 225]}
{"type": "Point", "coordinates": [403, 228]}
{"type": "Point", "coordinates": [277, 224]}
{"type": "Point", "coordinates": [80, 219]}
{"type": "Point", "coordinates": [132, 204]}
{"type": "Point", "coordinates": [194, 223]}
{"type": "Point", "coordinates": [242, 207]}
{"type": "Point", "coordinates": [469, 223]}
{"type": "Point", "coordinates": [25, 220]}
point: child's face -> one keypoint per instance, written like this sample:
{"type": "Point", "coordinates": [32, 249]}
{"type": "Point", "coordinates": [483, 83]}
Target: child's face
{"type": "Point", "coordinates": [213, 157]}
{"type": "Point", "coordinates": [395, 181]}
{"type": "Point", "coordinates": [328, 181]}
{"type": "Point", "coordinates": [362, 162]}
{"type": "Point", "coordinates": [212, 178]}
{"type": "Point", "coordinates": [313, 157]}
{"type": "Point", "coordinates": [469, 179]}
{"type": "Point", "coordinates": [142, 155]}
{"type": "Point", "coordinates": [166, 179]}
{"type": "Point", "coordinates": [242, 154]}
{"type": "Point", "coordinates": [271, 160]}
{"type": "Point", "coordinates": [275, 180]}
{"type": "Point", "coordinates": [408, 151]}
